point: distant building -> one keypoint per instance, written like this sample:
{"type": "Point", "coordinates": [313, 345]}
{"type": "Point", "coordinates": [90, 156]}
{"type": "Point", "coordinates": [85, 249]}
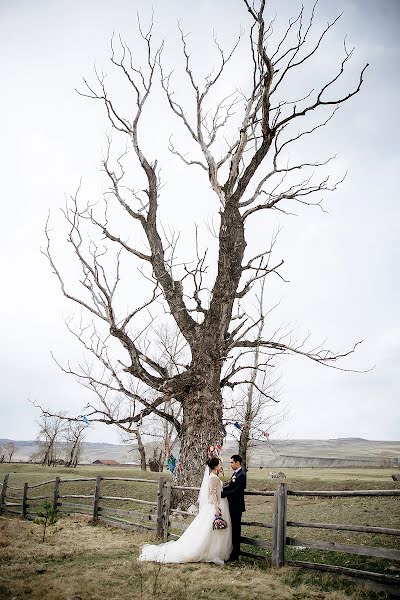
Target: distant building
{"type": "Point", "coordinates": [108, 461]}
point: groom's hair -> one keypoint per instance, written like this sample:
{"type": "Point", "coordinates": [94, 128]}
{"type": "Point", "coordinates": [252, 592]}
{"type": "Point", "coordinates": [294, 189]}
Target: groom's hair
{"type": "Point", "coordinates": [237, 458]}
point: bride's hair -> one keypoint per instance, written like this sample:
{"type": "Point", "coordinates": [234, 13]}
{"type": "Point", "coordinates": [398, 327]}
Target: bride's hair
{"type": "Point", "coordinates": [213, 462]}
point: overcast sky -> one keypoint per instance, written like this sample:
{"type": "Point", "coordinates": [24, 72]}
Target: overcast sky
{"type": "Point", "coordinates": [342, 266]}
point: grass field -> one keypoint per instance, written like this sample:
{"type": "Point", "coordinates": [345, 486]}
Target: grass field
{"type": "Point", "coordinates": [80, 561]}
{"type": "Point", "coordinates": [112, 553]}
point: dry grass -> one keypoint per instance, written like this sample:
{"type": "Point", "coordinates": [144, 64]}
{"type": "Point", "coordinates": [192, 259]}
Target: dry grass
{"type": "Point", "coordinates": [99, 563]}
{"type": "Point", "coordinates": [328, 474]}
{"type": "Point", "coordinates": [102, 555]}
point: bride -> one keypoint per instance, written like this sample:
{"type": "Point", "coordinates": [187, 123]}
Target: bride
{"type": "Point", "coordinates": [199, 542]}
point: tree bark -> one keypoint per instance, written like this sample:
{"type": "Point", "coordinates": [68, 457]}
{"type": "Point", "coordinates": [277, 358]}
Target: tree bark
{"type": "Point", "coordinates": [141, 450]}
{"type": "Point", "coordinates": [244, 439]}
{"type": "Point", "coordinates": [202, 428]}
{"type": "Point", "coordinates": [244, 444]}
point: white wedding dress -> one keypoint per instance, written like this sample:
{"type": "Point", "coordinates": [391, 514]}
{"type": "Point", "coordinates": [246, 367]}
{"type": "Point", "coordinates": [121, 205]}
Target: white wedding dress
{"type": "Point", "coordinates": [199, 542]}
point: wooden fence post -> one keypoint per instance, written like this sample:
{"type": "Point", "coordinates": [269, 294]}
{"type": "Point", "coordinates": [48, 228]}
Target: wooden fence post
{"type": "Point", "coordinates": [274, 531]}
{"type": "Point", "coordinates": [281, 525]}
{"type": "Point", "coordinates": [167, 508]}
{"type": "Point", "coordinates": [4, 492]}
{"type": "Point", "coordinates": [96, 502]}
{"type": "Point", "coordinates": [160, 502]}
{"type": "Point", "coordinates": [56, 492]}
{"type": "Point", "coordinates": [25, 501]}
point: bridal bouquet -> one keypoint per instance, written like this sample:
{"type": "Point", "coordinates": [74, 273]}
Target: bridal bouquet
{"type": "Point", "coordinates": [219, 523]}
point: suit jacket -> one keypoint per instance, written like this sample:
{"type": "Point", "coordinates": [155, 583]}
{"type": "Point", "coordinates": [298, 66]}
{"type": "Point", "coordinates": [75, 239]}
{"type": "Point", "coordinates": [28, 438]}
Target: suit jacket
{"type": "Point", "coordinates": [234, 491]}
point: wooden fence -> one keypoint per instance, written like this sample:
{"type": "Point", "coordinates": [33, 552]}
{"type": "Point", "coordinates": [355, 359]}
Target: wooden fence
{"type": "Point", "coordinates": [161, 518]}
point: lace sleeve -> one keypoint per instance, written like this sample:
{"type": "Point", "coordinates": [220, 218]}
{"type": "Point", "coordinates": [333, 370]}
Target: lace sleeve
{"type": "Point", "coordinates": [214, 492]}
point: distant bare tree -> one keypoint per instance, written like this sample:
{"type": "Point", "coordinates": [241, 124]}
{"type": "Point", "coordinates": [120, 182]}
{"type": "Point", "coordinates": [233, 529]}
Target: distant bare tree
{"type": "Point", "coordinates": [141, 449]}
{"type": "Point", "coordinates": [135, 434]}
{"type": "Point", "coordinates": [73, 438]}
{"type": "Point", "coordinates": [243, 144]}
{"type": "Point", "coordinates": [8, 450]}
{"type": "Point", "coordinates": [48, 440]}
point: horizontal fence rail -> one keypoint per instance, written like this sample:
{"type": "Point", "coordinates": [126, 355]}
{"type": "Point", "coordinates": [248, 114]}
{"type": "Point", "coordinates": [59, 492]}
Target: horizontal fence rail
{"type": "Point", "coordinates": [335, 526]}
{"type": "Point", "coordinates": [342, 493]}
{"type": "Point", "coordinates": [161, 518]}
{"type": "Point", "coordinates": [346, 548]}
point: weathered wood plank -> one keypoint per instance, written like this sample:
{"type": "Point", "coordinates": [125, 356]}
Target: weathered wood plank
{"type": "Point", "coordinates": [117, 498]}
{"type": "Point", "coordinates": [43, 483]}
{"type": "Point", "coordinates": [185, 487]}
{"type": "Point", "coordinates": [96, 501]}
{"type": "Point", "coordinates": [4, 491]}
{"type": "Point", "coordinates": [78, 479]}
{"type": "Point", "coordinates": [345, 548]}
{"type": "Point", "coordinates": [344, 493]}
{"type": "Point", "coordinates": [160, 501]}
{"type": "Point", "coordinates": [24, 500]}
{"type": "Point", "coordinates": [274, 559]}
{"type": "Point", "coordinates": [56, 492]}
{"type": "Point", "coordinates": [127, 513]}
{"type": "Point", "coordinates": [74, 505]}
{"type": "Point", "coordinates": [130, 479]}
{"type": "Point", "coordinates": [76, 496]}
{"type": "Point", "coordinates": [251, 555]}
{"type": "Point", "coordinates": [281, 527]}
{"type": "Point", "coordinates": [254, 542]}
{"type": "Point", "coordinates": [39, 497]}
{"type": "Point", "coordinates": [256, 524]}
{"type": "Point", "coordinates": [124, 524]}
{"type": "Point", "coordinates": [12, 503]}
{"type": "Point", "coordinates": [335, 526]}
{"type": "Point", "coordinates": [166, 510]}
{"type": "Point", "coordinates": [79, 508]}
{"type": "Point", "coordinates": [182, 512]}
{"type": "Point", "coordinates": [259, 493]}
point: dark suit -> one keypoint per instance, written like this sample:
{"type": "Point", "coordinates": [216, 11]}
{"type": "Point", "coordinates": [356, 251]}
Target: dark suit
{"type": "Point", "coordinates": [234, 491]}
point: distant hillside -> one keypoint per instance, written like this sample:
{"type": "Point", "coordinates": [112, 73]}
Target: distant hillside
{"type": "Point", "coordinates": [90, 451]}
{"type": "Point", "coordinates": [345, 452]}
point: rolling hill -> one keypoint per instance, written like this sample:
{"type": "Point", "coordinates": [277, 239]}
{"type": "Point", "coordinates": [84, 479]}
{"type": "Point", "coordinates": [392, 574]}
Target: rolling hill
{"type": "Point", "coordinates": [345, 452]}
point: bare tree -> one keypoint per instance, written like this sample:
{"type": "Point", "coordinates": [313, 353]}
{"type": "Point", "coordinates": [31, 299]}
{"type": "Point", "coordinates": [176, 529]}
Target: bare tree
{"type": "Point", "coordinates": [48, 440]}
{"type": "Point", "coordinates": [135, 434]}
{"type": "Point", "coordinates": [9, 450]}
{"type": "Point", "coordinates": [73, 438]}
{"type": "Point", "coordinates": [141, 449]}
{"type": "Point", "coordinates": [255, 128]}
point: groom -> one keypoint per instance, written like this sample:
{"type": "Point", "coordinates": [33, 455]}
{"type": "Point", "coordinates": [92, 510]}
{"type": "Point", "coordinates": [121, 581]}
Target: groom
{"type": "Point", "coordinates": [234, 491]}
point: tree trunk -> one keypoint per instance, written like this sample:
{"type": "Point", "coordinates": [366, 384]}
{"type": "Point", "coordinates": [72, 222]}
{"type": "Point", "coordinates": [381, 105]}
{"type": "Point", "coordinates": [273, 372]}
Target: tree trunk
{"type": "Point", "coordinates": [202, 427]}
{"type": "Point", "coordinates": [244, 439]}
{"type": "Point", "coordinates": [243, 445]}
{"type": "Point", "coordinates": [251, 410]}
{"type": "Point", "coordinates": [141, 450]}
